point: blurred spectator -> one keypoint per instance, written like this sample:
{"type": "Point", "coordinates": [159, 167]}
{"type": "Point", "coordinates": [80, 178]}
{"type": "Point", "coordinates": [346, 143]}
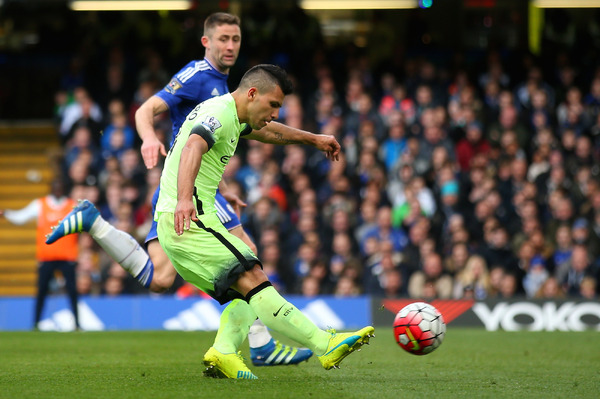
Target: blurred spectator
{"type": "Point", "coordinates": [269, 186]}
{"type": "Point", "coordinates": [457, 259]}
{"type": "Point", "coordinates": [310, 287]}
{"type": "Point", "coordinates": [496, 250]}
{"type": "Point", "coordinates": [393, 146]}
{"type": "Point", "coordinates": [473, 143]}
{"type": "Point", "coordinates": [385, 231]}
{"type": "Point", "coordinates": [118, 136]}
{"type": "Point", "coordinates": [397, 100]}
{"type": "Point", "coordinates": [535, 276]}
{"type": "Point", "coordinates": [508, 286]}
{"type": "Point", "coordinates": [563, 247]}
{"type": "Point", "coordinates": [393, 284]}
{"type": "Point", "coordinates": [131, 167]}
{"type": "Point", "coordinates": [550, 289]}
{"type": "Point", "coordinates": [367, 220]}
{"type": "Point", "coordinates": [346, 287]}
{"type": "Point", "coordinates": [473, 281]}
{"type": "Point", "coordinates": [571, 276]}
{"type": "Point", "coordinates": [113, 286]}
{"type": "Point", "coordinates": [342, 254]}
{"type": "Point", "coordinates": [87, 120]}
{"type": "Point", "coordinates": [587, 288]}
{"type": "Point", "coordinates": [508, 121]}
{"type": "Point", "coordinates": [324, 102]}
{"type": "Point", "coordinates": [497, 274]}
{"type": "Point", "coordinates": [364, 111]}
{"type": "Point", "coordinates": [82, 142]}
{"type": "Point", "coordinates": [431, 274]}
{"type": "Point", "coordinates": [86, 286]}
{"type": "Point", "coordinates": [383, 276]}
{"type": "Point", "coordinates": [249, 175]}
{"type": "Point", "coordinates": [580, 233]}
{"type": "Point", "coordinates": [83, 106]}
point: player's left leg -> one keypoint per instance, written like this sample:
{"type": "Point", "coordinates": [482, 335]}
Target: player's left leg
{"type": "Point", "coordinates": [68, 272]}
{"type": "Point", "coordinates": [223, 359]}
{"type": "Point", "coordinates": [264, 349]}
{"type": "Point", "coordinates": [164, 274]}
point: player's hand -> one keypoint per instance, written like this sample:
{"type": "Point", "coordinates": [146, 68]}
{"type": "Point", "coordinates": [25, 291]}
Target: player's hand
{"type": "Point", "coordinates": [185, 214]}
{"type": "Point", "coordinates": [151, 147]}
{"type": "Point", "coordinates": [235, 201]}
{"type": "Point", "coordinates": [1, 212]}
{"type": "Point", "coordinates": [329, 145]}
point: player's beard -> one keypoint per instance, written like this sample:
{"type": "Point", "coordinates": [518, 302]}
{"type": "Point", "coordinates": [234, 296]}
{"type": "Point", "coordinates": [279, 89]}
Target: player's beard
{"type": "Point", "coordinates": [225, 64]}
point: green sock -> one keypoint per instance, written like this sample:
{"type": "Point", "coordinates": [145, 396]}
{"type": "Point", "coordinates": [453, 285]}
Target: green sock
{"type": "Point", "coordinates": [234, 325]}
{"type": "Point", "coordinates": [281, 316]}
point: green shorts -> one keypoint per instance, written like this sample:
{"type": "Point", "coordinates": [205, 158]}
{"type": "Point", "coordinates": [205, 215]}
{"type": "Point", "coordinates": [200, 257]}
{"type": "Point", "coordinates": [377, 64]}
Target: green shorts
{"type": "Point", "coordinates": [207, 255]}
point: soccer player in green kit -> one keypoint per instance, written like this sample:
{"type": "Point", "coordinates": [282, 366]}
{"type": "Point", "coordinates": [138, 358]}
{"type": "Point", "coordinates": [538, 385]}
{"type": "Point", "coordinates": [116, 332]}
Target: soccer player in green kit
{"type": "Point", "coordinates": [204, 253]}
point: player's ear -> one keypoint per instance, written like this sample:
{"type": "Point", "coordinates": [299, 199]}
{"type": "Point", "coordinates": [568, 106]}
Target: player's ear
{"type": "Point", "coordinates": [204, 41]}
{"type": "Point", "coordinates": [252, 92]}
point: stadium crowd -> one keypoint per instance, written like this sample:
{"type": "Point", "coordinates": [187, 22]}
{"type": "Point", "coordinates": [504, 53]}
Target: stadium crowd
{"type": "Point", "coordinates": [478, 183]}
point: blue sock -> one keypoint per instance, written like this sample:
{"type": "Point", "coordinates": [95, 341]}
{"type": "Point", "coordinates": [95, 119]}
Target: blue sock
{"type": "Point", "coordinates": [145, 276]}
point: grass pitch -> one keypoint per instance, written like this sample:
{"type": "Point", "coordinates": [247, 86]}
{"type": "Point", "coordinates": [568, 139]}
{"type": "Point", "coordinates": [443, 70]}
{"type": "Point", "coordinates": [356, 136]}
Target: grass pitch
{"type": "Point", "coordinates": [471, 363]}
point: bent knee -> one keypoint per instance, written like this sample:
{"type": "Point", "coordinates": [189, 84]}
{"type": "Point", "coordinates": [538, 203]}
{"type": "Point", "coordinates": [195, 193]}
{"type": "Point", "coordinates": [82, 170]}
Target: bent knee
{"type": "Point", "coordinates": [163, 278]}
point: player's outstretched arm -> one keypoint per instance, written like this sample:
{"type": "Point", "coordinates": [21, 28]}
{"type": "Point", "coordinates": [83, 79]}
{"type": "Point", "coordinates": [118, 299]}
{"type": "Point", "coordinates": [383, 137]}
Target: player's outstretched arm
{"type": "Point", "coordinates": [144, 124]}
{"type": "Point", "coordinates": [278, 133]}
{"type": "Point", "coordinates": [22, 216]}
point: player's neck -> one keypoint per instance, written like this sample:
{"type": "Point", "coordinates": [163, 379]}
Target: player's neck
{"type": "Point", "coordinates": [211, 61]}
{"type": "Point", "coordinates": [240, 107]}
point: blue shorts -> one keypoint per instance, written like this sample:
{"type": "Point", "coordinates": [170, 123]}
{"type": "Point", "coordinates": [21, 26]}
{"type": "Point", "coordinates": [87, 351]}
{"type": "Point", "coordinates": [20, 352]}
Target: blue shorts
{"type": "Point", "coordinates": [225, 213]}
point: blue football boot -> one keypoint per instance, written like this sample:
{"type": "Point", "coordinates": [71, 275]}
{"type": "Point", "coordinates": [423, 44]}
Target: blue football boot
{"type": "Point", "coordinates": [276, 354]}
{"type": "Point", "coordinates": [81, 218]}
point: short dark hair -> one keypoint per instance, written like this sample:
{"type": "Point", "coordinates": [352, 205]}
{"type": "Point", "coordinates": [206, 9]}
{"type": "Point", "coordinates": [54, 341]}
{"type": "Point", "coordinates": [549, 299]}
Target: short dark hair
{"type": "Point", "coordinates": [218, 19]}
{"type": "Point", "coordinates": [265, 76]}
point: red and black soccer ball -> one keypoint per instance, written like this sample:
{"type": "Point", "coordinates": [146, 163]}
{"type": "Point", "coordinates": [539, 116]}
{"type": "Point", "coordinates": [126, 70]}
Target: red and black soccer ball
{"type": "Point", "coordinates": [419, 328]}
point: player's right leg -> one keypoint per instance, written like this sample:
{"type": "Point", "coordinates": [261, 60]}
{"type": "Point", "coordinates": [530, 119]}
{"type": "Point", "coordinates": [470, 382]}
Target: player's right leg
{"type": "Point", "coordinates": [119, 245]}
{"type": "Point", "coordinates": [282, 316]}
{"type": "Point", "coordinates": [68, 272]}
{"type": "Point", "coordinates": [45, 274]}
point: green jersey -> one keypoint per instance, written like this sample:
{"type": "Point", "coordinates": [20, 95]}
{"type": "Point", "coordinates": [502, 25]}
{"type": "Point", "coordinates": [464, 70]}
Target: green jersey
{"type": "Point", "coordinates": [216, 121]}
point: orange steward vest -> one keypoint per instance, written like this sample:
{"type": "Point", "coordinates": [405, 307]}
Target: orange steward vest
{"type": "Point", "coordinates": [66, 248]}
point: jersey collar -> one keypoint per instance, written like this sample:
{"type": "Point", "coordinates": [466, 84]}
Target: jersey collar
{"type": "Point", "coordinates": [215, 69]}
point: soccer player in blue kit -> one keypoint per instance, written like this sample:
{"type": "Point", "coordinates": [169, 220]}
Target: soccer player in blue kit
{"type": "Point", "coordinates": [197, 81]}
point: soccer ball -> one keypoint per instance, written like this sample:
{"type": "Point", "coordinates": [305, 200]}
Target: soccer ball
{"type": "Point", "coordinates": [419, 328]}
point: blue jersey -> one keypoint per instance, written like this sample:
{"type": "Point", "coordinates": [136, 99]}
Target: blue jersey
{"type": "Point", "coordinates": [194, 83]}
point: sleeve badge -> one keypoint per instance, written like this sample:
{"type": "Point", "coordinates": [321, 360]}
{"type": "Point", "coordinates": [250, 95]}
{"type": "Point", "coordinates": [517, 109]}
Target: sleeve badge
{"type": "Point", "coordinates": [211, 123]}
{"type": "Point", "coordinates": [173, 86]}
